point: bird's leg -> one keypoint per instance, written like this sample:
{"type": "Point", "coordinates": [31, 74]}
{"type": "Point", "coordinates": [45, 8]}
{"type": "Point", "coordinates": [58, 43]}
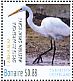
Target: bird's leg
{"type": "Point", "coordinates": [40, 56]}
{"type": "Point", "coordinates": [38, 59]}
{"type": "Point", "coordinates": [54, 53]}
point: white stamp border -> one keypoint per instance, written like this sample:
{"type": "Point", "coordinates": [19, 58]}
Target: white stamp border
{"type": "Point", "coordinates": [37, 2]}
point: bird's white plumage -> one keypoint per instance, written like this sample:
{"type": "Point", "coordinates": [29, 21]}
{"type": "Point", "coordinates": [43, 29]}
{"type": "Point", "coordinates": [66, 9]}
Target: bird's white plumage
{"type": "Point", "coordinates": [54, 27]}
{"type": "Point", "coordinates": [50, 26]}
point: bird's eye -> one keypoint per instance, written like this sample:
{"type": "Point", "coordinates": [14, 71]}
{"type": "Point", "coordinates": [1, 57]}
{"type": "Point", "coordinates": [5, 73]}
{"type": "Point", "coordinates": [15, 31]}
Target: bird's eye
{"type": "Point", "coordinates": [21, 9]}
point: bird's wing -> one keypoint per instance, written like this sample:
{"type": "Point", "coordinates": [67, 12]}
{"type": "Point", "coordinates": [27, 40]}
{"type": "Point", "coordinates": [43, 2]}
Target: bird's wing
{"type": "Point", "coordinates": [55, 26]}
{"type": "Point", "coordinates": [60, 27]}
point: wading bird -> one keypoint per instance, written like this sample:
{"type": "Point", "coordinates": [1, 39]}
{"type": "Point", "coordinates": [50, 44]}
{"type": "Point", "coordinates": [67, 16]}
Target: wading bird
{"type": "Point", "coordinates": [51, 27]}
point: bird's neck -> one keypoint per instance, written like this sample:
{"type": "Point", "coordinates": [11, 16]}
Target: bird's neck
{"type": "Point", "coordinates": [30, 21]}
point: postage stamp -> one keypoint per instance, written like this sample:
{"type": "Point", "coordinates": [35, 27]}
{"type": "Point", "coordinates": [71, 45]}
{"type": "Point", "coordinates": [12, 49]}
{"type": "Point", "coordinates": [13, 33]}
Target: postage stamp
{"type": "Point", "coordinates": [36, 40]}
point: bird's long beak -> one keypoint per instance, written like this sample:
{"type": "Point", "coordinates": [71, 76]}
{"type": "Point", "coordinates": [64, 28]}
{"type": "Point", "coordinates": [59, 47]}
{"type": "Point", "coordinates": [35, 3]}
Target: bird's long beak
{"type": "Point", "coordinates": [14, 12]}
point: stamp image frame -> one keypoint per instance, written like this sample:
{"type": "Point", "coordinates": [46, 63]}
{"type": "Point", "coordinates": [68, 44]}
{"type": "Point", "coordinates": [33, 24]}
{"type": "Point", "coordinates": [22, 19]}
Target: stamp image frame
{"type": "Point", "coordinates": [34, 69]}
